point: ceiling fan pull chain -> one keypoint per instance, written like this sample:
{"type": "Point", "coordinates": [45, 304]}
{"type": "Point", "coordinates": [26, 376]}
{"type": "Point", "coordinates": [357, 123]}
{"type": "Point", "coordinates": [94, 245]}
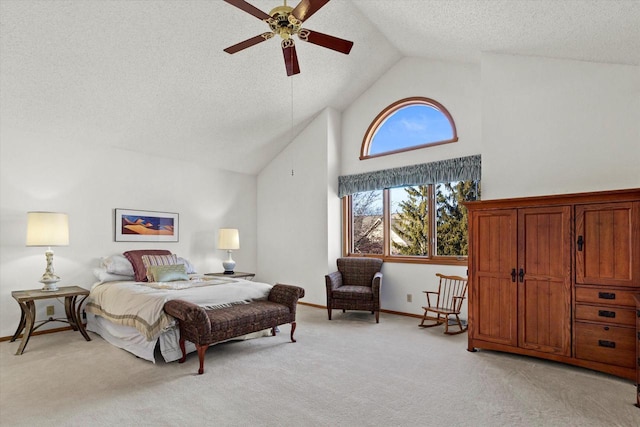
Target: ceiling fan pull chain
{"type": "Point", "coordinates": [291, 130]}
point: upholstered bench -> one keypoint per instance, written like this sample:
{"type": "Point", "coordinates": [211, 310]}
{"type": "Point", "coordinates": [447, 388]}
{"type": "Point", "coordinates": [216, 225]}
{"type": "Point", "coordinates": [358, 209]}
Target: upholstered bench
{"type": "Point", "coordinates": [204, 327]}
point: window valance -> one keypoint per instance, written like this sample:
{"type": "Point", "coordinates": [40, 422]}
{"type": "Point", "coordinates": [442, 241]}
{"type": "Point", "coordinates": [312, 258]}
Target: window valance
{"type": "Point", "coordinates": [459, 169]}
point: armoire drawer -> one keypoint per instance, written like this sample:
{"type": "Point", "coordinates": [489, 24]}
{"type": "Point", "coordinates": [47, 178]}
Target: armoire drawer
{"type": "Point", "coordinates": [602, 313]}
{"type": "Point", "coordinates": [605, 296]}
{"type": "Point", "coordinates": [613, 345]}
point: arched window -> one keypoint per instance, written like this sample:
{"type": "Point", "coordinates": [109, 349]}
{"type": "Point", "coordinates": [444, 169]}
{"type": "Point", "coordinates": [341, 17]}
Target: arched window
{"type": "Point", "coordinates": [408, 124]}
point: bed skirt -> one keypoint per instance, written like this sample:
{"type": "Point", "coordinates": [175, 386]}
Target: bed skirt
{"type": "Point", "coordinates": [130, 339]}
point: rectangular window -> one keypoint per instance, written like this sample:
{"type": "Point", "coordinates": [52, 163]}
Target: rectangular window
{"type": "Point", "coordinates": [409, 221]}
{"type": "Point", "coordinates": [410, 224]}
{"type": "Point", "coordinates": [367, 225]}
{"type": "Point", "coordinates": [451, 216]}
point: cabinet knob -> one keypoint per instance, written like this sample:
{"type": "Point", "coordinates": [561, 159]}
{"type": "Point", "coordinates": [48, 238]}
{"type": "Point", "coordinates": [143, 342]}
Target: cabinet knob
{"type": "Point", "coordinates": [580, 242]}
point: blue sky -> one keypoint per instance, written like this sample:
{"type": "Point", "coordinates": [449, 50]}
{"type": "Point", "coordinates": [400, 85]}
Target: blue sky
{"type": "Point", "coordinates": [410, 126]}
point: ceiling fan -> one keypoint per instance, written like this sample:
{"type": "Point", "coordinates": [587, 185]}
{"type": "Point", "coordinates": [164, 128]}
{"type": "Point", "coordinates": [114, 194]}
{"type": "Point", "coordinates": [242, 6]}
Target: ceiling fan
{"type": "Point", "coordinates": [286, 22]}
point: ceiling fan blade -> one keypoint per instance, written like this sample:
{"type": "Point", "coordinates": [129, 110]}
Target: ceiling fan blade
{"type": "Point", "coordinates": [241, 4]}
{"type": "Point", "coordinates": [248, 43]}
{"type": "Point", "coordinates": [290, 57]}
{"type": "Point", "coordinates": [306, 8]}
{"type": "Point", "coordinates": [325, 40]}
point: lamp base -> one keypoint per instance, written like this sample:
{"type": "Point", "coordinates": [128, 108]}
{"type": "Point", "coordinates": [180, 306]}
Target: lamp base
{"type": "Point", "coordinates": [229, 264]}
{"type": "Point", "coordinates": [49, 286]}
{"type": "Point", "coordinates": [49, 279]}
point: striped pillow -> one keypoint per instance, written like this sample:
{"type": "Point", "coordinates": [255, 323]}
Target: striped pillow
{"type": "Point", "coordinates": [150, 260]}
{"type": "Point", "coordinates": [135, 258]}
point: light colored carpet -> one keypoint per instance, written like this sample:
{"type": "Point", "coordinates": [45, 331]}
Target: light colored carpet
{"type": "Point", "coordinates": [347, 372]}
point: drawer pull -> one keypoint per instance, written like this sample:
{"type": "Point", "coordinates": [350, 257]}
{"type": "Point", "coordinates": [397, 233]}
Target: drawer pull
{"type": "Point", "coordinates": [606, 295]}
{"type": "Point", "coordinates": [606, 313]}
{"type": "Point", "coordinates": [605, 343]}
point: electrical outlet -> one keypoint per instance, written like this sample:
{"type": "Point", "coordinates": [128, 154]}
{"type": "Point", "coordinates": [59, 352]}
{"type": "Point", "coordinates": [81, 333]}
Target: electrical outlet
{"type": "Point", "coordinates": [50, 310]}
{"type": "Point", "coordinates": [409, 298]}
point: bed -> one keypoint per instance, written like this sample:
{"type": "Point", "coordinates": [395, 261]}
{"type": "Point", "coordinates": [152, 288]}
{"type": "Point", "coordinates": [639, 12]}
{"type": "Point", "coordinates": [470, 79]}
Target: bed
{"type": "Point", "coordinates": [127, 311]}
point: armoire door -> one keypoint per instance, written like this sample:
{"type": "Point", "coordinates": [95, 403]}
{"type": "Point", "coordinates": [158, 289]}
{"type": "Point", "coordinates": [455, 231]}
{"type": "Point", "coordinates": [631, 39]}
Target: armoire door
{"type": "Point", "coordinates": [493, 288]}
{"type": "Point", "coordinates": [544, 279]}
{"type": "Point", "coordinates": [607, 244]}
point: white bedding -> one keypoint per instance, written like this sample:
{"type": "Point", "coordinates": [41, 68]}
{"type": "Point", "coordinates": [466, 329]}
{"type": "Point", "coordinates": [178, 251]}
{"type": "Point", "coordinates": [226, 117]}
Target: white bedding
{"type": "Point", "coordinates": [130, 315]}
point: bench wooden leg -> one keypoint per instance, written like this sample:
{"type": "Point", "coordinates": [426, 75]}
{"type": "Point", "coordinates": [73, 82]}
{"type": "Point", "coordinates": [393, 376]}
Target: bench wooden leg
{"type": "Point", "coordinates": [293, 329]}
{"type": "Point", "coordinates": [184, 351]}
{"type": "Point", "coordinates": [201, 351]}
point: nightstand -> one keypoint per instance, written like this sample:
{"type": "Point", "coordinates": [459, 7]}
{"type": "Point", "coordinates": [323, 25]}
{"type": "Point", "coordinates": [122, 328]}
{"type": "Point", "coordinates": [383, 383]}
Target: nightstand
{"type": "Point", "coordinates": [235, 275]}
{"type": "Point", "coordinates": [28, 311]}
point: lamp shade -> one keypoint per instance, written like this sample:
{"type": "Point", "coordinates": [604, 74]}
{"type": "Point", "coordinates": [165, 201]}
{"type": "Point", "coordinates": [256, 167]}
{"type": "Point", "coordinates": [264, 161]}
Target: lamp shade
{"type": "Point", "coordinates": [228, 238]}
{"type": "Point", "coordinates": [47, 229]}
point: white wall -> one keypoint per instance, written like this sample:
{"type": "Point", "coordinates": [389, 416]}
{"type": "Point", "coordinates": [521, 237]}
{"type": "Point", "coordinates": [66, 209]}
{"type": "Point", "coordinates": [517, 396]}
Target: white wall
{"type": "Point", "coordinates": [334, 204]}
{"type": "Point", "coordinates": [555, 126]}
{"type": "Point", "coordinates": [458, 88]}
{"type": "Point", "coordinates": [542, 126]}
{"type": "Point", "coordinates": [39, 172]}
{"type": "Point", "coordinates": [297, 215]}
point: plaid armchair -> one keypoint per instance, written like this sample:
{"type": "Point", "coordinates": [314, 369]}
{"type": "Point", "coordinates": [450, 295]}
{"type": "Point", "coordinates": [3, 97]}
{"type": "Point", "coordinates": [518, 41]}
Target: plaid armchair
{"type": "Point", "coordinates": [355, 286]}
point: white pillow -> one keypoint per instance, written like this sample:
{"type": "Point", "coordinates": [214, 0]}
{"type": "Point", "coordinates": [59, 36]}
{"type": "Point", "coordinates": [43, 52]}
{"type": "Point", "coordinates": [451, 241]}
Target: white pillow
{"type": "Point", "coordinates": [103, 275]}
{"type": "Point", "coordinates": [187, 265]}
{"type": "Point", "coordinates": [118, 264]}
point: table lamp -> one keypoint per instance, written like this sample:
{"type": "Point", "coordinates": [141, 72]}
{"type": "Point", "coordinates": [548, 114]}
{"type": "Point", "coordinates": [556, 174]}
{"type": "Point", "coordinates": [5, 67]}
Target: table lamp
{"type": "Point", "coordinates": [48, 229]}
{"type": "Point", "coordinates": [229, 240]}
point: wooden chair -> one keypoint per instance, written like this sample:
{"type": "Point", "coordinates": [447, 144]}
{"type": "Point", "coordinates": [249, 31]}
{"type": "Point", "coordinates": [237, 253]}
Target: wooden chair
{"type": "Point", "coordinates": [451, 293]}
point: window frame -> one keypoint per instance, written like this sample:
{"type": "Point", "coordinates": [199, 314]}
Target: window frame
{"type": "Point", "coordinates": [386, 256]}
{"type": "Point", "coordinates": [389, 111]}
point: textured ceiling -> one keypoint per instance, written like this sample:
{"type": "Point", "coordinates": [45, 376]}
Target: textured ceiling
{"type": "Point", "coordinates": [150, 76]}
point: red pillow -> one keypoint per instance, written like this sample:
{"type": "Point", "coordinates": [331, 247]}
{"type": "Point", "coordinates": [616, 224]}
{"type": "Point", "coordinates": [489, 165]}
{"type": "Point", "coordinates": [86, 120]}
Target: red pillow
{"type": "Point", "coordinates": [135, 258]}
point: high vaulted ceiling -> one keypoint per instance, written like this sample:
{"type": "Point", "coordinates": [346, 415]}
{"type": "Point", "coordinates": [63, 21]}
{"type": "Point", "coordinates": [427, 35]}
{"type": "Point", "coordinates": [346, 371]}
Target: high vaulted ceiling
{"type": "Point", "coordinates": [151, 77]}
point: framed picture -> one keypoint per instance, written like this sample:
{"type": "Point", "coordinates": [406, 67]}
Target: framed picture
{"type": "Point", "coordinates": [145, 226]}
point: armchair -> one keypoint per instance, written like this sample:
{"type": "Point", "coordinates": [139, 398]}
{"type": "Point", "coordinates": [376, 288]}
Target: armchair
{"type": "Point", "coordinates": [355, 286]}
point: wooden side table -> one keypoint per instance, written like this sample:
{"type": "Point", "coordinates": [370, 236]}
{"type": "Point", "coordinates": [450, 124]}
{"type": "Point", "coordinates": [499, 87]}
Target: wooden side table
{"type": "Point", "coordinates": [28, 315]}
{"type": "Point", "coordinates": [235, 275]}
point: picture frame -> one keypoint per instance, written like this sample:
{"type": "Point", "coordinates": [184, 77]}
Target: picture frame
{"type": "Point", "coordinates": [145, 226]}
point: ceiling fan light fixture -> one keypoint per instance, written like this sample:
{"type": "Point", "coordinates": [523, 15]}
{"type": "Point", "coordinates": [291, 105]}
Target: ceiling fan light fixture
{"type": "Point", "coordinates": [283, 22]}
{"type": "Point", "coordinates": [286, 21]}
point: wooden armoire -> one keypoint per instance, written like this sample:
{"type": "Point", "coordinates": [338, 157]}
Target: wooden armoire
{"type": "Point", "coordinates": [554, 277]}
